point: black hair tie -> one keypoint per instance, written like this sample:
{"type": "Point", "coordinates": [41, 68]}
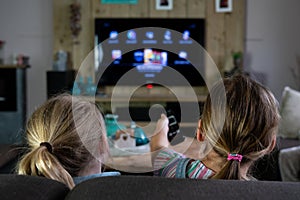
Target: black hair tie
{"type": "Point", "coordinates": [47, 145]}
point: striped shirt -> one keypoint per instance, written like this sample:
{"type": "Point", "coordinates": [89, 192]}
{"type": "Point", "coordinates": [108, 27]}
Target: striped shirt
{"type": "Point", "coordinates": [167, 163]}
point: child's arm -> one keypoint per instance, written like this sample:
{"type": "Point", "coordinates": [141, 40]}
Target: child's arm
{"type": "Point", "coordinates": [159, 139]}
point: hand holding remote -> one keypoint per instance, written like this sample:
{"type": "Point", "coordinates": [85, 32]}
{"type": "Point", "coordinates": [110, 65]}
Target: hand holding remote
{"type": "Point", "coordinates": [173, 133]}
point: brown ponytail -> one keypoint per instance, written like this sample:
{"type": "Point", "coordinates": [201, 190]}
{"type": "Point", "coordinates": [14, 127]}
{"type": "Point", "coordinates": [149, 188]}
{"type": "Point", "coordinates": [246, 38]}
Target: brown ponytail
{"type": "Point", "coordinates": [251, 122]}
{"type": "Point", "coordinates": [231, 170]}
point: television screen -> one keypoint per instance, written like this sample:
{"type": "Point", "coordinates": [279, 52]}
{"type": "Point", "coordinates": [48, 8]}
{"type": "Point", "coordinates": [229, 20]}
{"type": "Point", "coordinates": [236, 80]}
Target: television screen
{"type": "Point", "coordinates": [131, 51]}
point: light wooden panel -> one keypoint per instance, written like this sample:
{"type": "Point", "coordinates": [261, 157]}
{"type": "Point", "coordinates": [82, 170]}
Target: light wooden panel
{"type": "Point", "coordinates": [234, 25]}
{"type": "Point", "coordinates": [84, 47]}
{"type": "Point", "coordinates": [61, 26]}
{"type": "Point", "coordinates": [215, 34]}
{"type": "Point", "coordinates": [225, 33]}
{"type": "Point", "coordinates": [179, 9]}
{"type": "Point", "coordinates": [119, 10]}
{"type": "Point", "coordinates": [100, 10]}
{"type": "Point", "coordinates": [196, 8]}
{"type": "Point", "coordinates": [140, 10]}
{"type": "Point", "coordinates": [63, 40]}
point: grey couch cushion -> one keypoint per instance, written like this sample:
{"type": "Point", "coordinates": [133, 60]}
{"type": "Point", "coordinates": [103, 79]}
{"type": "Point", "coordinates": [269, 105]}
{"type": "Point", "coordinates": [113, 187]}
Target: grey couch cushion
{"type": "Point", "coordinates": [30, 187]}
{"type": "Point", "coordinates": [139, 187]}
{"type": "Point", "coordinates": [9, 155]}
{"type": "Point", "coordinates": [289, 126]}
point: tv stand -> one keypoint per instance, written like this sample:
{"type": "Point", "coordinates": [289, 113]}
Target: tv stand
{"type": "Point", "coordinates": [12, 103]}
{"type": "Point", "coordinates": [141, 102]}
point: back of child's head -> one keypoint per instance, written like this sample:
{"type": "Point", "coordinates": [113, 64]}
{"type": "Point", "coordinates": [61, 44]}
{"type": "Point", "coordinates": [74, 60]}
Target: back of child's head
{"type": "Point", "coordinates": [251, 122]}
{"type": "Point", "coordinates": [63, 135]}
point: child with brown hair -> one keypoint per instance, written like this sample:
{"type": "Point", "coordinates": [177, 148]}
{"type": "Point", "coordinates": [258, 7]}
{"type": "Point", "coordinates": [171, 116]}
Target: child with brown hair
{"type": "Point", "coordinates": [247, 133]}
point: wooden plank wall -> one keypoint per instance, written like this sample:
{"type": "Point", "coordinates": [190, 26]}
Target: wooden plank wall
{"type": "Point", "coordinates": [224, 31]}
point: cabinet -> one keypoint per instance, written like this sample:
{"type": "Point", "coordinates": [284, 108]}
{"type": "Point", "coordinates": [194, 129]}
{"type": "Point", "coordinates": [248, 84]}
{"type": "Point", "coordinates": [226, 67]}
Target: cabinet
{"type": "Point", "coordinates": [144, 106]}
{"type": "Point", "coordinates": [59, 81]}
{"type": "Point", "coordinates": [12, 103]}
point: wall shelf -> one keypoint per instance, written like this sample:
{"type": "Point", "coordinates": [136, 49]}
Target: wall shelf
{"type": "Point", "coordinates": [149, 98]}
{"type": "Point", "coordinates": [14, 66]}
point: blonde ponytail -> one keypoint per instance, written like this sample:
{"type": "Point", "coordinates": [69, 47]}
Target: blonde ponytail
{"type": "Point", "coordinates": [40, 162]}
{"type": "Point", "coordinates": [58, 148]}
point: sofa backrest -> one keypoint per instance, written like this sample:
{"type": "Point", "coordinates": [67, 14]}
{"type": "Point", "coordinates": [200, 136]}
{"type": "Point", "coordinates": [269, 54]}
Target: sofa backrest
{"type": "Point", "coordinates": [30, 188]}
{"type": "Point", "coordinates": [144, 187]}
{"type": "Point", "coordinates": [147, 187]}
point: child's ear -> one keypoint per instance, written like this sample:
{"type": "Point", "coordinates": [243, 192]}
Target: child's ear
{"type": "Point", "coordinates": [200, 135]}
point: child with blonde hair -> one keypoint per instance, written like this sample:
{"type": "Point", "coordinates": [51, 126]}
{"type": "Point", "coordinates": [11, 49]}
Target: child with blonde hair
{"type": "Point", "coordinates": [66, 140]}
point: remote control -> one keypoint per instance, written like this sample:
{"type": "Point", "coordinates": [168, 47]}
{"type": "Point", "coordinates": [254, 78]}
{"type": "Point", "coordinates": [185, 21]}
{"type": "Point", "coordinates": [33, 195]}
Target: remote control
{"type": "Point", "coordinates": [173, 135]}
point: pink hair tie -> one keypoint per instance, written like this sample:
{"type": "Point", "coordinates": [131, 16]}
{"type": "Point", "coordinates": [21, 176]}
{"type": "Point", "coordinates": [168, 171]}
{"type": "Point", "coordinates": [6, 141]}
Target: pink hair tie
{"type": "Point", "coordinates": [234, 156]}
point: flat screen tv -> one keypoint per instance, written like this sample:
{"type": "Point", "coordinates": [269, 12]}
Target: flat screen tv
{"type": "Point", "coordinates": [137, 51]}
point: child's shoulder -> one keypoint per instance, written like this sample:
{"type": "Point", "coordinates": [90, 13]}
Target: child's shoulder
{"type": "Point", "coordinates": [170, 163]}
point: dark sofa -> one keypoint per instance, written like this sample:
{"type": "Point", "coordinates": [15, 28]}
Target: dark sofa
{"type": "Point", "coordinates": [140, 186]}
{"type": "Point", "coordinates": [144, 187]}
{"type": "Point", "coordinates": [30, 188]}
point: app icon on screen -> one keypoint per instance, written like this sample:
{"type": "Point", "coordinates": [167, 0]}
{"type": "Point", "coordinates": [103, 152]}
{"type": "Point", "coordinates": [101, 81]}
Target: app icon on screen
{"type": "Point", "coordinates": [186, 35]}
{"type": "Point", "coordinates": [131, 35]}
{"type": "Point", "coordinates": [182, 54]}
{"type": "Point", "coordinates": [164, 58]}
{"type": "Point", "coordinates": [113, 35]}
{"type": "Point", "coordinates": [148, 55]}
{"type": "Point", "coordinates": [167, 35]}
{"type": "Point", "coordinates": [150, 35]}
{"type": "Point", "coordinates": [155, 57]}
{"type": "Point", "coordinates": [138, 56]}
{"type": "Point", "coordinates": [116, 54]}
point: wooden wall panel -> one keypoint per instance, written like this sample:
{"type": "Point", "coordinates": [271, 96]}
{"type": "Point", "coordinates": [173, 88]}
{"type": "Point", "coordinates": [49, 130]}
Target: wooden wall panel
{"type": "Point", "coordinates": [63, 40]}
{"type": "Point", "coordinates": [179, 9]}
{"type": "Point", "coordinates": [119, 10]}
{"type": "Point", "coordinates": [225, 33]}
{"type": "Point", "coordinates": [100, 10]}
{"type": "Point", "coordinates": [235, 28]}
{"type": "Point", "coordinates": [84, 47]}
{"type": "Point", "coordinates": [215, 33]}
{"type": "Point", "coordinates": [214, 41]}
{"type": "Point", "coordinates": [61, 26]}
{"type": "Point", "coordinates": [196, 8]}
{"type": "Point", "coordinates": [140, 10]}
